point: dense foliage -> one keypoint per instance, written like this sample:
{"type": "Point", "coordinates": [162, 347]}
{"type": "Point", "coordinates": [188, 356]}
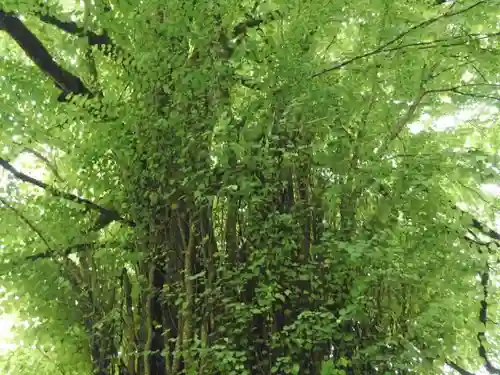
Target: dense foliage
{"type": "Point", "coordinates": [239, 187]}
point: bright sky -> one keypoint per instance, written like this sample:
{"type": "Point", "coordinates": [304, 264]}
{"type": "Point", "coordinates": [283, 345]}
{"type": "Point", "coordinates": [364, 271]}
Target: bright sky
{"type": "Point", "coordinates": [6, 336]}
{"type": "Point", "coordinates": [489, 114]}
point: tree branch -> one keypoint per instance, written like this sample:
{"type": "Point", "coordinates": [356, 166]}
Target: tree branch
{"type": "Point", "coordinates": [69, 250]}
{"type": "Point", "coordinates": [36, 51]}
{"type": "Point", "coordinates": [51, 360]}
{"type": "Point", "coordinates": [481, 227]}
{"type": "Point", "coordinates": [248, 83]}
{"type": "Point", "coordinates": [451, 42]}
{"type": "Point", "coordinates": [494, 235]}
{"type": "Point", "coordinates": [93, 38]}
{"type": "Point", "coordinates": [24, 219]}
{"type": "Point", "coordinates": [397, 38]}
{"type": "Point", "coordinates": [242, 27]}
{"type": "Point", "coordinates": [51, 252]}
{"type": "Point", "coordinates": [459, 369]}
{"type": "Point", "coordinates": [73, 29]}
{"type": "Point", "coordinates": [476, 96]}
{"type": "Point", "coordinates": [106, 215]}
{"type": "Point", "coordinates": [456, 90]}
{"type": "Point", "coordinates": [403, 121]}
{"type": "Point", "coordinates": [45, 160]}
{"type": "Point", "coordinates": [483, 319]}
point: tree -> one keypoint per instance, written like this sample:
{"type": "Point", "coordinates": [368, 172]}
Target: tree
{"type": "Point", "coordinates": [233, 187]}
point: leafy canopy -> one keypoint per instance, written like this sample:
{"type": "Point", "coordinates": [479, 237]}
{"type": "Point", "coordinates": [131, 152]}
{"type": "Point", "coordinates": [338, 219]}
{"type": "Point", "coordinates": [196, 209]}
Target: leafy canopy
{"type": "Point", "coordinates": [241, 188]}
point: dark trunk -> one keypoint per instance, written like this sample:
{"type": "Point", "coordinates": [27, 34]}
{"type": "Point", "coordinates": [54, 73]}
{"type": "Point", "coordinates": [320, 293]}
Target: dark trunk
{"type": "Point", "coordinates": [157, 359]}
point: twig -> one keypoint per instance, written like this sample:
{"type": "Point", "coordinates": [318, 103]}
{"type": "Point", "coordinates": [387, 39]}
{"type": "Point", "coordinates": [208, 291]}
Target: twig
{"type": "Point", "coordinates": [23, 218]}
{"type": "Point", "coordinates": [403, 121]}
{"type": "Point", "coordinates": [78, 248]}
{"type": "Point", "coordinates": [51, 361]}
{"type": "Point", "coordinates": [242, 27]}
{"type": "Point", "coordinates": [399, 37]}
{"type": "Point", "coordinates": [46, 161]}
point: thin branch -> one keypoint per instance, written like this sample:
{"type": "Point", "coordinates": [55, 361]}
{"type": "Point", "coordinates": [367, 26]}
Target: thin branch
{"type": "Point", "coordinates": [51, 360]}
{"type": "Point", "coordinates": [494, 235]}
{"type": "Point", "coordinates": [248, 83]}
{"type": "Point", "coordinates": [480, 73]}
{"type": "Point", "coordinates": [78, 248]}
{"type": "Point", "coordinates": [73, 29]}
{"type": "Point", "coordinates": [24, 219]}
{"type": "Point", "coordinates": [483, 318]}
{"type": "Point", "coordinates": [242, 27]}
{"type": "Point", "coordinates": [453, 42]}
{"type": "Point", "coordinates": [476, 96]}
{"type": "Point", "coordinates": [459, 369]}
{"type": "Point", "coordinates": [43, 158]}
{"type": "Point", "coordinates": [93, 39]}
{"type": "Point", "coordinates": [240, 30]}
{"type": "Point", "coordinates": [476, 224]}
{"type": "Point", "coordinates": [476, 242]}
{"type": "Point", "coordinates": [454, 66]}
{"type": "Point", "coordinates": [475, 192]}
{"type": "Point", "coordinates": [445, 89]}
{"type": "Point", "coordinates": [403, 121]}
{"type": "Point", "coordinates": [456, 90]}
{"type": "Point", "coordinates": [106, 214]}
{"type": "Point", "coordinates": [399, 37]}
{"type": "Point", "coordinates": [68, 196]}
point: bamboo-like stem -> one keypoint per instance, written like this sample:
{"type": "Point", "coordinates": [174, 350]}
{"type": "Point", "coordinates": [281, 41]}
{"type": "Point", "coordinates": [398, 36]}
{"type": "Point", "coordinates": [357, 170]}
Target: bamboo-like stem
{"type": "Point", "coordinates": [187, 310]}
{"type": "Point", "coordinates": [149, 322]}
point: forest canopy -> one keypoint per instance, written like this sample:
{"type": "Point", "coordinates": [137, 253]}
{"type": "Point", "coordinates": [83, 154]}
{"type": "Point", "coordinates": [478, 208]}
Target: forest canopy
{"type": "Point", "coordinates": [250, 187]}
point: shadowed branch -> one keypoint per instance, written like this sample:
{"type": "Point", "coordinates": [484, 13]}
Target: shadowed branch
{"type": "Point", "coordinates": [36, 51]}
{"type": "Point", "coordinates": [106, 215]}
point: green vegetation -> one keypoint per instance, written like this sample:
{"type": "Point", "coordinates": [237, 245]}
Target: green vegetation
{"type": "Point", "coordinates": [249, 188]}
